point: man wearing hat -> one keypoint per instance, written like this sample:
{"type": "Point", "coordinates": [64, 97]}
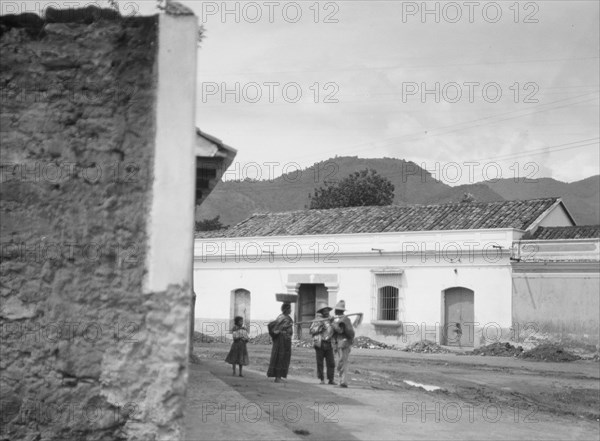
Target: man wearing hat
{"type": "Point", "coordinates": [343, 337]}
{"type": "Point", "coordinates": [322, 332]}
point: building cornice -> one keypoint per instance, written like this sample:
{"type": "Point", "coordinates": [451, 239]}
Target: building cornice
{"type": "Point", "coordinates": [556, 267]}
{"type": "Point", "coordinates": [360, 235]}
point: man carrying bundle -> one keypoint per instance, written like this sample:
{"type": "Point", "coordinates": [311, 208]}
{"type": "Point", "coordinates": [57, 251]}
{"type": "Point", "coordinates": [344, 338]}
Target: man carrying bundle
{"type": "Point", "coordinates": [322, 332]}
{"type": "Point", "coordinates": [343, 337]}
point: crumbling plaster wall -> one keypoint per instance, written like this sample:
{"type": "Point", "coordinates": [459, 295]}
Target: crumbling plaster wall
{"type": "Point", "coordinates": [87, 352]}
{"type": "Point", "coordinates": [559, 305]}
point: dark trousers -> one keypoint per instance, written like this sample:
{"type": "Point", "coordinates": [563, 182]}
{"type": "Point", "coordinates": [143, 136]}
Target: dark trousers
{"type": "Point", "coordinates": [325, 352]}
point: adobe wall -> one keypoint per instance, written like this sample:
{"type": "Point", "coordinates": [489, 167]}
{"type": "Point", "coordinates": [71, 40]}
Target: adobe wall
{"type": "Point", "coordinates": [555, 289]}
{"type": "Point", "coordinates": [88, 352]}
{"type": "Point", "coordinates": [560, 305]}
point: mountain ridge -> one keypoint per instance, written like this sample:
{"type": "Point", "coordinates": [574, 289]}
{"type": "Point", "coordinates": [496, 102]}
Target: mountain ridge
{"type": "Point", "coordinates": [236, 200]}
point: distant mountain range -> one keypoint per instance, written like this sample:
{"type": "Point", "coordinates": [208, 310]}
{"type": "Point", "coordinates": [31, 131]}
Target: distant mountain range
{"type": "Point", "coordinates": [234, 201]}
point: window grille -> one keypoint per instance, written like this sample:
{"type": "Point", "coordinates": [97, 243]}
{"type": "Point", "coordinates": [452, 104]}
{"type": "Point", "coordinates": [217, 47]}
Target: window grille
{"type": "Point", "coordinates": [387, 296]}
{"type": "Point", "coordinates": [388, 303]}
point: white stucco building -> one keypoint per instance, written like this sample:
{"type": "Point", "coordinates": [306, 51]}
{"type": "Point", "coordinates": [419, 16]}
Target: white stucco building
{"type": "Point", "coordinates": [436, 272]}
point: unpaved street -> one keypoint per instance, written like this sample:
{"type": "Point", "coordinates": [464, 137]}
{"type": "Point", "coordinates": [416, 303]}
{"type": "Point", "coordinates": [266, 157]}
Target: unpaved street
{"type": "Point", "coordinates": [479, 398]}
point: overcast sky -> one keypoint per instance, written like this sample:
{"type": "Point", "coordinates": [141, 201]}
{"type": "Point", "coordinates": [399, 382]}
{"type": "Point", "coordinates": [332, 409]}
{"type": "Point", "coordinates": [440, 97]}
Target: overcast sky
{"type": "Point", "coordinates": [380, 57]}
{"type": "Point", "coordinates": [364, 68]}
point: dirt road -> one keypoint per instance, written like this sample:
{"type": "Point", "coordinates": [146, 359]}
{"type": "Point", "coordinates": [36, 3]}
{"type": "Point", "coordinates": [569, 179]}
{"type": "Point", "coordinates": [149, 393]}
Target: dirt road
{"type": "Point", "coordinates": [478, 398]}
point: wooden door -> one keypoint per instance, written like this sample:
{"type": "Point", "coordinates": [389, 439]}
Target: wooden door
{"type": "Point", "coordinates": [459, 317]}
{"type": "Point", "coordinates": [307, 297]}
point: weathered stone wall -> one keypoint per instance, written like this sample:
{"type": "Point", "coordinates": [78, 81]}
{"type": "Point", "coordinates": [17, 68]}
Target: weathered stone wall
{"type": "Point", "coordinates": [86, 354]}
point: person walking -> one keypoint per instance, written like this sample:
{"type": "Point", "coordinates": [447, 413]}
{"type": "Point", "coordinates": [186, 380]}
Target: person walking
{"type": "Point", "coordinates": [343, 337]}
{"type": "Point", "coordinates": [322, 332]}
{"type": "Point", "coordinates": [281, 331]}
{"type": "Point", "coordinates": [238, 354]}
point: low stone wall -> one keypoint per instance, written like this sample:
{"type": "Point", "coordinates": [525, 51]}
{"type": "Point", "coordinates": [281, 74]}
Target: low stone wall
{"type": "Point", "coordinates": [220, 329]}
{"type": "Point", "coordinates": [410, 333]}
{"type": "Point", "coordinates": [405, 335]}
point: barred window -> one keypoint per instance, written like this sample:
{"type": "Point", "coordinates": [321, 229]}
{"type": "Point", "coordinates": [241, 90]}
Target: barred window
{"type": "Point", "coordinates": [388, 303]}
{"type": "Point", "coordinates": [387, 296]}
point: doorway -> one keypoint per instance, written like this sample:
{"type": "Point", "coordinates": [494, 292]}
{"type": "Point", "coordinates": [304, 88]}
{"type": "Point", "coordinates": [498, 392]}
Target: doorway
{"type": "Point", "coordinates": [459, 317]}
{"type": "Point", "coordinates": [240, 306]}
{"type": "Point", "coordinates": [308, 296]}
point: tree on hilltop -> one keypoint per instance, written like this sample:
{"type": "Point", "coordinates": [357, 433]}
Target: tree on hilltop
{"type": "Point", "coordinates": [361, 188]}
{"type": "Point", "coordinates": [209, 224]}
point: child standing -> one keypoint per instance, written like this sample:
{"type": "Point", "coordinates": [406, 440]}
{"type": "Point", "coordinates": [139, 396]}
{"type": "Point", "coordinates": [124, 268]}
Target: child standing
{"type": "Point", "coordinates": [238, 354]}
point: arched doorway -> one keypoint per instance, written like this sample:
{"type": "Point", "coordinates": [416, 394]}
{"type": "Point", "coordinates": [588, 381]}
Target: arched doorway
{"type": "Point", "coordinates": [240, 305]}
{"type": "Point", "coordinates": [459, 317]}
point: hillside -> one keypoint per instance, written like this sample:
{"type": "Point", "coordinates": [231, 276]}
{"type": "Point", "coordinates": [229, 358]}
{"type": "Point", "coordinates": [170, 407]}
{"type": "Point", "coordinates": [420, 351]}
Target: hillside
{"type": "Point", "coordinates": [236, 200]}
{"type": "Point", "coordinates": [581, 197]}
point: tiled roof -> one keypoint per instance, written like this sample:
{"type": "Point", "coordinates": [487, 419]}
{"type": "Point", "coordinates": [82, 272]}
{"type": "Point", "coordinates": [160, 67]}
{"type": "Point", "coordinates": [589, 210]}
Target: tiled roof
{"type": "Point", "coordinates": [576, 232]}
{"type": "Point", "coordinates": [391, 218]}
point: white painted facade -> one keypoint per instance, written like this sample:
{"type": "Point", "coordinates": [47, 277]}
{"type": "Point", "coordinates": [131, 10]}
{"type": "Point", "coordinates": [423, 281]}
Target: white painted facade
{"type": "Point", "coordinates": [424, 264]}
{"type": "Point", "coordinates": [172, 204]}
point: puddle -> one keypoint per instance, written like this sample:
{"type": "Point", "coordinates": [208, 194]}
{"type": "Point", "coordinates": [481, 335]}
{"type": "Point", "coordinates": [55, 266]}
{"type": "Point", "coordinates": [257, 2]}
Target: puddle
{"type": "Point", "coordinates": [427, 387]}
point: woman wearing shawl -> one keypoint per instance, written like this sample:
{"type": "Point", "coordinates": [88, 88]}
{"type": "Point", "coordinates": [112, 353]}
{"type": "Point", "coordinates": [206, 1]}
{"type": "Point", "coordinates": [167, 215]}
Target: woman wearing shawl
{"type": "Point", "coordinates": [281, 353]}
{"type": "Point", "coordinates": [238, 354]}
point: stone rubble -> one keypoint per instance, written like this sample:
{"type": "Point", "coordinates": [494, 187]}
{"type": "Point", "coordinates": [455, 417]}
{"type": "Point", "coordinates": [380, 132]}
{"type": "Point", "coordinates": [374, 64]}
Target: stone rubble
{"type": "Point", "coordinates": [427, 347]}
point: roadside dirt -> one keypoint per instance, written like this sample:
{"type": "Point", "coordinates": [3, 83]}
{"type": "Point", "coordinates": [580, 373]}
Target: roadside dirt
{"type": "Point", "coordinates": [485, 397]}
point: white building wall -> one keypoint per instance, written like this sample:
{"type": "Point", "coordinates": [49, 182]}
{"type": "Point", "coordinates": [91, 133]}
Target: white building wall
{"type": "Point", "coordinates": [430, 262]}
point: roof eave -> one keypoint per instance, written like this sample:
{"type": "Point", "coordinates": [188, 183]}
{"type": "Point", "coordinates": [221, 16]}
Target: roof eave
{"type": "Point", "coordinates": [216, 141]}
{"type": "Point", "coordinates": [367, 234]}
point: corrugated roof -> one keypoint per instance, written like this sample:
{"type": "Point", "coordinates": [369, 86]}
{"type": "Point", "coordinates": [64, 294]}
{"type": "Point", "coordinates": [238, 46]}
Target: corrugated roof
{"type": "Point", "coordinates": [391, 218]}
{"type": "Point", "coordinates": [575, 232]}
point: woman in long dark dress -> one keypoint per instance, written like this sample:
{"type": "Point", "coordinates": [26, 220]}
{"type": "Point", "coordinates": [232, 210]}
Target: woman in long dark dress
{"type": "Point", "coordinates": [238, 354]}
{"type": "Point", "coordinates": [281, 353]}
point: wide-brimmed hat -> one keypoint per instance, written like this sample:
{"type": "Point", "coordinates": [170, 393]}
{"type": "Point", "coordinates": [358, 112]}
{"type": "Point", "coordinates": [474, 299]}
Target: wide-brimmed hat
{"type": "Point", "coordinates": [340, 306]}
{"type": "Point", "coordinates": [322, 305]}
